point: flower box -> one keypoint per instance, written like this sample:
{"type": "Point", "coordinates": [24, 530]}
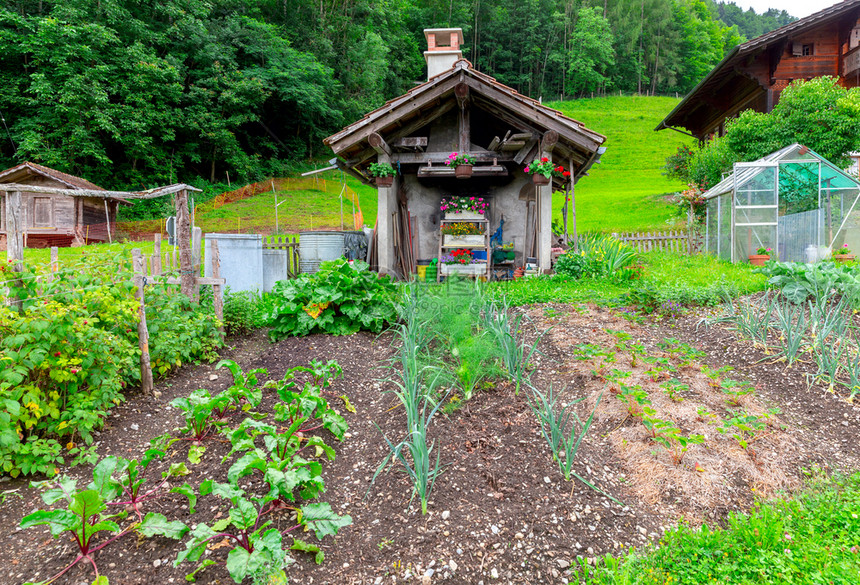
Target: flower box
{"type": "Point", "coordinates": [539, 179]}
{"type": "Point", "coordinates": [384, 181]}
{"type": "Point", "coordinates": [464, 215]}
{"type": "Point", "coordinates": [463, 241]}
{"type": "Point", "coordinates": [759, 259]}
{"type": "Point", "coordinates": [844, 257]}
{"type": "Point", "coordinates": [464, 268]}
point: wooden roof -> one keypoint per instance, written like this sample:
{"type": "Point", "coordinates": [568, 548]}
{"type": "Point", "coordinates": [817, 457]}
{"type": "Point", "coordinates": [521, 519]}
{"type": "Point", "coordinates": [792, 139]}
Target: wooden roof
{"type": "Point", "coordinates": [404, 115]}
{"type": "Point", "coordinates": [728, 83]}
{"type": "Point", "coordinates": [26, 169]}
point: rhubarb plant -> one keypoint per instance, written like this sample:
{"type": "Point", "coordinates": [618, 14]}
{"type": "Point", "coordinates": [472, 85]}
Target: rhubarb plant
{"type": "Point", "coordinates": [256, 549]}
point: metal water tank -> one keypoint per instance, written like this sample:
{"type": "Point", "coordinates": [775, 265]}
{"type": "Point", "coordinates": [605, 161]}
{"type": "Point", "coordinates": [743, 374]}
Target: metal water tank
{"type": "Point", "coordinates": [316, 247]}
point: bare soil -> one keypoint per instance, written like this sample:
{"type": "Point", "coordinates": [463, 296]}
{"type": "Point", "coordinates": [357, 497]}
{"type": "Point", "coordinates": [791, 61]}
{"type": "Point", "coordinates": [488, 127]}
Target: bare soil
{"type": "Point", "coordinates": [501, 512]}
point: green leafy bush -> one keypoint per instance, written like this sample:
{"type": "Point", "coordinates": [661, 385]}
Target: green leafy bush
{"type": "Point", "coordinates": [598, 255]}
{"type": "Point", "coordinates": [242, 312]}
{"type": "Point", "coordinates": [65, 359]}
{"type": "Point", "coordinates": [341, 299]}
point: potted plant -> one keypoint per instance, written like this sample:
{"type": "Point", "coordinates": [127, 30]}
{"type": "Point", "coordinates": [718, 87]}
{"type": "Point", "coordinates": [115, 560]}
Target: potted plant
{"type": "Point", "coordinates": [462, 233]}
{"type": "Point", "coordinates": [843, 254]}
{"type": "Point", "coordinates": [464, 208]}
{"type": "Point", "coordinates": [462, 164]}
{"type": "Point", "coordinates": [383, 172]}
{"type": "Point", "coordinates": [543, 171]}
{"type": "Point", "coordinates": [761, 256]}
{"type": "Point", "coordinates": [461, 262]}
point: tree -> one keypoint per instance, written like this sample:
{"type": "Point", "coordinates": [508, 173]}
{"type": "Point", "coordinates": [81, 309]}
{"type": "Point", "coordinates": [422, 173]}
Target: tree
{"type": "Point", "coordinates": [818, 113]}
{"type": "Point", "coordinates": [591, 53]}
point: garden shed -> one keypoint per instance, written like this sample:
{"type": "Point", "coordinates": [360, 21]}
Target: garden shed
{"type": "Point", "coordinates": [462, 110]}
{"type": "Point", "coordinates": [793, 201]}
{"type": "Point", "coordinates": [78, 212]}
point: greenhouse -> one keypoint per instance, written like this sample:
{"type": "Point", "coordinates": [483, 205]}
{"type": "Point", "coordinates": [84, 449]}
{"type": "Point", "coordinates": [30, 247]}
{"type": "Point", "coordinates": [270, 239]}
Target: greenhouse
{"type": "Point", "coordinates": [793, 201]}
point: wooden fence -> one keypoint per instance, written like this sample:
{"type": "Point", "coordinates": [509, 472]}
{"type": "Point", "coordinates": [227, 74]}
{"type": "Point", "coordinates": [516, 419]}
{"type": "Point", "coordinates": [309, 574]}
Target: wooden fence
{"type": "Point", "coordinates": [671, 241]}
{"type": "Point", "coordinates": [291, 245]}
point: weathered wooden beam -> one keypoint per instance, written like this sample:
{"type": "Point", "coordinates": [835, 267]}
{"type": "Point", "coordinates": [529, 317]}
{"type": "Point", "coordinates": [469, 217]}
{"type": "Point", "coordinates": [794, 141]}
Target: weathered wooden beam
{"type": "Point", "coordinates": [139, 268]}
{"type": "Point", "coordinates": [442, 171]}
{"type": "Point", "coordinates": [494, 143]}
{"type": "Point", "coordinates": [398, 109]}
{"type": "Point", "coordinates": [576, 134]}
{"type": "Point", "coordinates": [407, 129]}
{"type": "Point", "coordinates": [199, 280]}
{"type": "Point", "coordinates": [512, 145]}
{"type": "Point", "coordinates": [440, 157]}
{"type": "Point", "coordinates": [183, 238]}
{"type": "Point", "coordinates": [524, 151]}
{"type": "Point", "coordinates": [147, 194]}
{"type": "Point", "coordinates": [15, 242]}
{"type": "Point", "coordinates": [377, 142]}
{"type": "Point", "coordinates": [549, 141]}
{"type": "Point", "coordinates": [217, 299]}
{"type": "Point", "coordinates": [411, 142]}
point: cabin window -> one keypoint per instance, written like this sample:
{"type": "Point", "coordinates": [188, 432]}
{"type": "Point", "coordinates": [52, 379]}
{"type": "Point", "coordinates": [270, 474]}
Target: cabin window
{"type": "Point", "coordinates": [807, 50]}
{"type": "Point", "coordinates": [41, 212]}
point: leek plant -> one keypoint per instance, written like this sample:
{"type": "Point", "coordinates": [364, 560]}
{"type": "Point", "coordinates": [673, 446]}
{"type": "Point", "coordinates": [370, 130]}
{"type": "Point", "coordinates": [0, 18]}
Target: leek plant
{"type": "Point", "coordinates": [563, 430]}
{"type": "Point", "coordinates": [515, 354]}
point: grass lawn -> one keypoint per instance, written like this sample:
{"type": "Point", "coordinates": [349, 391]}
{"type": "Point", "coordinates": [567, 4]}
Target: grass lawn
{"type": "Point", "coordinates": [624, 192]}
{"type": "Point", "coordinates": [687, 280]}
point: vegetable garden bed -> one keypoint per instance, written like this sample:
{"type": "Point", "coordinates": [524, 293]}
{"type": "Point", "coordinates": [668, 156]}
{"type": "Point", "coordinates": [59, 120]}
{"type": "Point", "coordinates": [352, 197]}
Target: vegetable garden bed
{"type": "Point", "coordinates": [501, 510]}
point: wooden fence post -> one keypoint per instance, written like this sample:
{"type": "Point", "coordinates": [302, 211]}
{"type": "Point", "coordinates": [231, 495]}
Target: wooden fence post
{"type": "Point", "coordinates": [196, 237]}
{"type": "Point", "coordinates": [156, 255]}
{"type": "Point", "coordinates": [139, 268]}
{"type": "Point", "coordinates": [217, 300]}
{"type": "Point", "coordinates": [15, 241]}
{"type": "Point", "coordinates": [183, 238]}
{"type": "Point", "coordinates": [55, 262]}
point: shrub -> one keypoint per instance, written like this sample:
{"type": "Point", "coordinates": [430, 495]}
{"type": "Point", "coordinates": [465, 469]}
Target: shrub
{"type": "Point", "coordinates": [341, 299]}
{"type": "Point", "coordinates": [242, 312]}
{"type": "Point", "coordinates": [68, 356]}
{"type": "Point", "coordinates": [598, 255]}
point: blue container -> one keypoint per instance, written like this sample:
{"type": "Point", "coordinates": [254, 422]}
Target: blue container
{"type": "Point", "coordinates": [479, 254]}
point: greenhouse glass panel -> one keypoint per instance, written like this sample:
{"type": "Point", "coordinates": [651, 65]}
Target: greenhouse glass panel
{"type": "Point", "coordinates": [725, 227]}
{"type": "Point", "coordinates": [756, 186]}
{"type": "Point", "coordinates": [748, 239]}
{"type": "Point", "coordinates": [798, 187]}
{"type": "Point", "coordinates": [712, 227]}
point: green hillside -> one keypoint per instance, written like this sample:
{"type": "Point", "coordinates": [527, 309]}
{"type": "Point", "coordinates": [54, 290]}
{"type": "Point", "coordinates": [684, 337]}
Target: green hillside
{"type": "Point", "coordinates": [625, 191]}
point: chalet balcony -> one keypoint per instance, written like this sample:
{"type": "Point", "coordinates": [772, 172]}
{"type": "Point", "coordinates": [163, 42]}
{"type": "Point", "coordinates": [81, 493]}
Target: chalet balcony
{"type": "Point", "coordinates": [851, 62]}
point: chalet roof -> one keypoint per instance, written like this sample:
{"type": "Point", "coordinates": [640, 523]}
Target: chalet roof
{"type": "Point", "coordinates": [727, 71]}
{"type": "Point", "coordinates": [426, 102]}
{"type": "Point", "coordinates": [18, 172]}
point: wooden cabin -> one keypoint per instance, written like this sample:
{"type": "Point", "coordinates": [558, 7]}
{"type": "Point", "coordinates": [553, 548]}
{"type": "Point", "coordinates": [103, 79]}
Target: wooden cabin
{"type": "Point", "coordinates": [459, 109]}
{"type": "Point", "coordinates": [58, 219]}
{"type": "Point", "coordinates": [754, 73]}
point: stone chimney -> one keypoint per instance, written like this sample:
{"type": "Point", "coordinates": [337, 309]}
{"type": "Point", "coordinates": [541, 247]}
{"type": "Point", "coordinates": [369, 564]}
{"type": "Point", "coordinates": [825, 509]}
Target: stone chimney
{"type": "Point", "coordinates": [443, 49]}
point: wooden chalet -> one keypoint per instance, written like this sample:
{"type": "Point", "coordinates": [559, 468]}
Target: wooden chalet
{"type": "Point", "coordinates": [754, 73]}
{"type": "Point", "coordinates": [460, 109]}
{"type": "Point", "coordinates": [78, 212]}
